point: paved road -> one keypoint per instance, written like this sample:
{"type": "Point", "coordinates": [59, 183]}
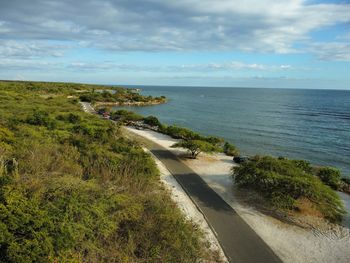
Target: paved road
{"type": "Point", "coordinates": [239, 242]}
{"type": "Point", "coordinates": [87, 107]}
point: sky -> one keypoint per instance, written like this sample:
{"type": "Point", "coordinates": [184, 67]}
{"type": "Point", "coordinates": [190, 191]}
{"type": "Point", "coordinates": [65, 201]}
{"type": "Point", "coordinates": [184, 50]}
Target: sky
{"type": "Point", "coordinates": [250, 43]}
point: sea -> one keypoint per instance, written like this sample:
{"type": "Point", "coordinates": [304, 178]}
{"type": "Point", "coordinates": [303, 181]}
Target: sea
{"type": "Point", "coordinates": [296, 123]}
{"type": "Point", "coordinates": [313, 125]}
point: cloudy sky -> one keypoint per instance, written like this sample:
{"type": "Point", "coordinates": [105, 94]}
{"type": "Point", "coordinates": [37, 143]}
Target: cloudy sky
{"type": "Point", "coordinates": [267, 43]}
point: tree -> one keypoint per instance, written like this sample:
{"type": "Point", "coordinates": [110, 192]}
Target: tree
{"type": "Point", "coordinates": [330, 176]}
{"type": "Point", "coordinates": [195, 147]}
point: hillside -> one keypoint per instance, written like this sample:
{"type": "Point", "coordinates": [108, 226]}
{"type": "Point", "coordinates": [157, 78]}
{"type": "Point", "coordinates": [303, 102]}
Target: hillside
{"type": "Point", "coordinates": [73, 189]}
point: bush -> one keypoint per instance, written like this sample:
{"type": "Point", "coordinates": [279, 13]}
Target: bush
{"type": "Point", "coordinates": [303, 165]}
{"type": "Point", "coordinates": [230, 149]}
{"type": "Point", "coordinates": [71, 118]}
{"type": "Point", "coordinates": [283, 183]}
{"type": "Point", "coordinates": [42, 118]}
{"type": "Point", "coordinates": [213, 140]}
{"type": "Point", "coordinates": [180, 133]}
{"type": "Point", "coordinates": [152, 121]}
{"type": "Point", "coordinates": [117, 95]}
{"type": "Point", "coordinates": [78, 191]}
{"type": "Point", "coordinates": [126, 116]}
{"type": "Point", "coordinates": [330, 176]}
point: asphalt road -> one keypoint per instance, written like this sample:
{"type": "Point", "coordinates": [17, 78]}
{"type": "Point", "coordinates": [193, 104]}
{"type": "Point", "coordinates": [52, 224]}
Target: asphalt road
{"type": "Point", "coordinates": [238, 240]}
{"type": "Point", "coordinates": [87, 107]}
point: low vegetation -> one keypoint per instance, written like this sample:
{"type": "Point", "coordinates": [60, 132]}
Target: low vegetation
{"type": "Point", "coordinates": [230, 149]}
{"type": "Point", "coordinates": [290, 185]}
{"type": "Point", "coordinates": [190, 140]}
{"type": "Point", "coordinates": [330, 176]}
{"type": "Point", "coordinates": [126, 117]}
{"type": "Point", "coordinates": [119, 96]}
{"type": "Point", "coordinates": [72, 189]}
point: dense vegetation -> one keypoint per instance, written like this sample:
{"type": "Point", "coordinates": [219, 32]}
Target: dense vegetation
{"type": "Point", "coordinates": [330, 176]}
{"type": "Point", "coordinates": [292, 185]}
{"type": "Point", "coordinates": [121, 96]}
{"type": "Point", "coordinates": [194, 142]}
{"type": "Point", "coordinates": [72, 189]}
{"type": "Point", "coordinates": [230, 150]}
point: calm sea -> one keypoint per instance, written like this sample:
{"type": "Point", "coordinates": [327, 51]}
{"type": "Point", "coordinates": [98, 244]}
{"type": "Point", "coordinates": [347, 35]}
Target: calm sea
{"type": "Point", "coordinates": [306, 124]}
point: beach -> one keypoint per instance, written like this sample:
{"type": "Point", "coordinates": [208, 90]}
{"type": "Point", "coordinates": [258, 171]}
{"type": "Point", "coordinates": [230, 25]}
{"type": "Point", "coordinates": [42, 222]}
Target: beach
{"type": "Point", "coordinates": [292, 243]}
{"type": "Point", "coordinates": [311, 125]}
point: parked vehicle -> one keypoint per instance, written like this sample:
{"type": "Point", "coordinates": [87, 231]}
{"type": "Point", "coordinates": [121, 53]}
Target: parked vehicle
{"type": "Point", "coordinates": [106, 115]}
{"type": "Point", "coordinates": [240, 159]}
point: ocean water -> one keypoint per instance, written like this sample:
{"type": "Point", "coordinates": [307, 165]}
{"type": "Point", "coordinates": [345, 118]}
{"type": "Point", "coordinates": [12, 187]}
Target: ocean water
{"type": "Point", "coordinates": [302, 124]}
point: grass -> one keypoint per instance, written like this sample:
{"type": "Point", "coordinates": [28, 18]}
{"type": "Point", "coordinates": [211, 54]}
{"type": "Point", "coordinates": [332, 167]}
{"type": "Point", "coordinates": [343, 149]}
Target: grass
{"type": "Point", "coordinates": [74, 189]}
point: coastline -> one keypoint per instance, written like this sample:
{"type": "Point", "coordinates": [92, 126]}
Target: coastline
{"type": "Point", "coordinates": [285, 239]}
{"type": "Point", "coordinates": [134, 103]}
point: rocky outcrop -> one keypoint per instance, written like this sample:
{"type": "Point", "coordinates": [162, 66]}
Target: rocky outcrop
{"type": "Point", "coordinates": [345, 186]}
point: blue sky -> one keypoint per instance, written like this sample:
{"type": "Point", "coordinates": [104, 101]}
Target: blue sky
{"type": "Point", "coordinates": [259, 43]}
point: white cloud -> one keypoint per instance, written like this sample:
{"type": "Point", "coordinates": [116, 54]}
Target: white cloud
{"type": "Point", "coordinates": [337, 51]}
{"type": "Point", "coordinates": [260, 26]}
{"type": "Point", "coordinates": [211, 67]}
{"type": "Point", "coordinates": [22, 64]}
{"type": "Point", "coordinates": [30, 49]}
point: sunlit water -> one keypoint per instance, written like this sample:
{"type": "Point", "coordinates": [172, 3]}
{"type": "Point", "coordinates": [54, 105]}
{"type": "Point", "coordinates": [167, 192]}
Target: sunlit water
{"type": "Point", "coordinates": [302, 124]}
{"type": "Point", "coordinates": [307, 124]}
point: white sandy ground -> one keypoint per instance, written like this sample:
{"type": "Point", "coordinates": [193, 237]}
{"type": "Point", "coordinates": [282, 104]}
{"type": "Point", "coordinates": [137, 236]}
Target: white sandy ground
{"type": "Point", "coordinates": [291, 243]}
{"type": "Point", "coordinates": [189, 209]}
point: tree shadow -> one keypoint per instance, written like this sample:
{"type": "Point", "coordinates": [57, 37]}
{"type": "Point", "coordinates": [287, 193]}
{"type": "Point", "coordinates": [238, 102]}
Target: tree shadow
{"type": "Point", "coordinates": [198, 190]}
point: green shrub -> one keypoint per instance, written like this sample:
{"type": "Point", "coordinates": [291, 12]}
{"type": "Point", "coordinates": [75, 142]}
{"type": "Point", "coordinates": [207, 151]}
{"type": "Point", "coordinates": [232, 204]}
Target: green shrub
{"type": "Point", "coordinates": [42, 118]}
{"type": "Point", "coordinates": [303, 165]}
{"type": "Point", "coordinates": [230, 149]}
{"type": "Point", "coordinates": [283, 183]}
{"type": "Point", "coordinates": [71, 118]}
{"type": "Point", "coordinates": [126, 116]}
{"type": "Point", "coordinates": [153, 121]}
{"type": "Point", "coordinates": [330, 176]}
{"type": "Point", "coordinates": [78, 191]}
{"type": "Point", "coordinates": [180, 133]}
{"type": "Point", "coordinates": [117, 95]}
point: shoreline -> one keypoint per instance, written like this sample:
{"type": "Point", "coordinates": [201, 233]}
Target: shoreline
{"type": "Point", "coordinates": [318, 245]}
{"type": "Point", "coordinates": [138, 103]}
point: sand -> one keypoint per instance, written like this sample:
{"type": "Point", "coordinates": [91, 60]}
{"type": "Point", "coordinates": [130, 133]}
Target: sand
{"type": "Point", "coordinates": [290, 242]}
{"type": "Point", "coordinates": [189, 209]}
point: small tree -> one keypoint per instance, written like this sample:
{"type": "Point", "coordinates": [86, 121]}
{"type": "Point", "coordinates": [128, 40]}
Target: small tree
{"type": "Point", "coordinates": [330, 176]}
{"type": "Point", "coordinates": [195, 147]}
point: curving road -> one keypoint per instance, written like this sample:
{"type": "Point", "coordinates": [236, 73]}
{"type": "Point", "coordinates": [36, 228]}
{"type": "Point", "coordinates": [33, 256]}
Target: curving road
{"type": "Point", "coordinates": [238, 240]}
